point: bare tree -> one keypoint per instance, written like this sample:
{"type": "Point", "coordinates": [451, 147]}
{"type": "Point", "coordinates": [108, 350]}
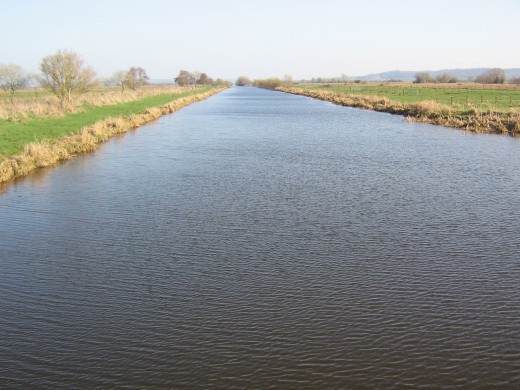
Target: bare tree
{"type": "Point", "coordinates": [118, 78]}
{"type": "Point", "coordinates": [492, 76]}
{"type": "Point", "coordinates": [424, 77]}
{"type": "Point", "coordinates": [515, 80]}
{"type": "Point", "coordinates": [136, 77]}
{"type": "Point", "coordinates": [195, 76]}
{"type": "Point", "coordinates": [446, 78]}
{"type": "Point", "coordinates": [142, 77]}
{"type": "Point", "coordinates": [12, 78]}
{"type": "Point", "coordinates": [184, 78]}
{"type": "Point", "coordinates": [65, 73]}
{"type": "Point", "coordinates": [203, 79]}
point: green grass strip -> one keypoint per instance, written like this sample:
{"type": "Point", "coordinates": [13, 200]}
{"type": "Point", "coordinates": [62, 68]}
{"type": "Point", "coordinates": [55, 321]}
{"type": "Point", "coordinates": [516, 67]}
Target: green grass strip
{"type": "Point", "coordinates": [14, 135]}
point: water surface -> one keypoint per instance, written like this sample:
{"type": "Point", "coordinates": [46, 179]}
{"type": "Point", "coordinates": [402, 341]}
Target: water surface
{"type": "Point", "coordinates": [259, 239]}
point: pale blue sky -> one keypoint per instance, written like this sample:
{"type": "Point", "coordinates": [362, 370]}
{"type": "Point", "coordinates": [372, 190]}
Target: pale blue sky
{"type": "Point", "coordinates": [227, 38]}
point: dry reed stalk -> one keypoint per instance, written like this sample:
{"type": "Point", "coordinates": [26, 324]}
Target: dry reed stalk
{"type": "Point", "coordinates": [425, 111]}
{"type": "Point", "coordinates": [48, 153]}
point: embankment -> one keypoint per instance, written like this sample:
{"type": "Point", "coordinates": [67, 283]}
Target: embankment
{"type": "Point", "coordinates": [423, 111]}
{"type": "Point", "coordinates": [48, 153]}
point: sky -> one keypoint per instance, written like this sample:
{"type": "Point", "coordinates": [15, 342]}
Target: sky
{"type": "Point", "coordinates": [267, 38]}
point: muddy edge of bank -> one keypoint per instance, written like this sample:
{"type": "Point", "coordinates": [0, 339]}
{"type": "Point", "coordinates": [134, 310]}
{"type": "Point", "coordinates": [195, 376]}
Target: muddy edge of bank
{"type": "Point", "coordinates": [45, 154]}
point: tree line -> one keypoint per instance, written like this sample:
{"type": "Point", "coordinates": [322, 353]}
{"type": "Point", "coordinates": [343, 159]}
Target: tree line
{"type": "Point", "coordinates": [270, 83]}
{"type": "Point", "coordinates": [491, 76]}
{"type": "Point", "coordinates": [66, 74]}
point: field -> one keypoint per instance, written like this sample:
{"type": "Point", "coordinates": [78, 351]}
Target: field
{"type": "Point", "coordinates": [41, 119]}
{"type": "Point", "coordinates": [473, 107]}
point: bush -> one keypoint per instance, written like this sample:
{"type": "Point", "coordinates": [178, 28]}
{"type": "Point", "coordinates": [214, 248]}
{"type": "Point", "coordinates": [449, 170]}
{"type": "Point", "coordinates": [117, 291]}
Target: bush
{"type": "Point", "coordinates": [492, 76]}
{"type": "Point", "coordinates": [243, 81]}
{"type": "Point", "coordinates": [424, 77]}
{"type": "Point", "coordinates": [271, 83]}
{"type": "Point", "coordinates": [446, 78]}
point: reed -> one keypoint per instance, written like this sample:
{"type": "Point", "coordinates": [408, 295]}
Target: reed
{"type": "Point", "coordinates": [47, 153]}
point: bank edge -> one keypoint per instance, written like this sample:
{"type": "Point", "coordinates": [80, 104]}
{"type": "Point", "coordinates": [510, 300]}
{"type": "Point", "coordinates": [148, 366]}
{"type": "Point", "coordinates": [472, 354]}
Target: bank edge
{"type": "Point", "coordinates": [48, 153]}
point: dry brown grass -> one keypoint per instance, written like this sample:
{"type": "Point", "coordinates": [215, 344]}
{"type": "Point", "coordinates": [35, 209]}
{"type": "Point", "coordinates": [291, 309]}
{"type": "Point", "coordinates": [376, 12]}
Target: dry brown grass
{"type": "Point", "coordinates": [44, 154]}
{"type": "Point", "coordinates": [39, 104]}
{"type": "Point", "coordinates": [424, 111]}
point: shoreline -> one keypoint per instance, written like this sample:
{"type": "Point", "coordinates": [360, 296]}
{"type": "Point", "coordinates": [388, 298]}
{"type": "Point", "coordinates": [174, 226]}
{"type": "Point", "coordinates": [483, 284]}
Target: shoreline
{"type": "Point", "coordinates": [48, 153]}
{"type": "Point", "coordinates": [423, 111]}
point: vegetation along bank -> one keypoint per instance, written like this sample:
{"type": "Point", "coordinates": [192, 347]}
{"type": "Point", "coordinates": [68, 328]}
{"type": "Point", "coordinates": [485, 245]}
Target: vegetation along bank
{"type": "Point", "coordinates": [468, 107]}
{"type": "Point", "coordinates": [41, 142]}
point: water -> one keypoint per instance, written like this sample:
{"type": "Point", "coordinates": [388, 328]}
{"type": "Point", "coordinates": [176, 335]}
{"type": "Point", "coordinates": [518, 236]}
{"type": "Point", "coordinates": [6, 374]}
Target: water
{"type": "Point", "coordinates": [259, 239]}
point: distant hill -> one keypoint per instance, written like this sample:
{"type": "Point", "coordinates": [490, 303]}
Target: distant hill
{"type": "Point", "coordinates": [462, 74]}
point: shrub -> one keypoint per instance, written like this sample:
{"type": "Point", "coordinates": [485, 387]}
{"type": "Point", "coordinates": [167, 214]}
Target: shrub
{"type": "Point", "coordinates": [446, 78]}
{"type": "Point", "coordinates": [271, 83]}
{"type": "Point", "coordinates": [492, 76]}
{"type": "Point", "coordinates": [243, 81]}
{"type": "Point", "coordinates": [424, 77]}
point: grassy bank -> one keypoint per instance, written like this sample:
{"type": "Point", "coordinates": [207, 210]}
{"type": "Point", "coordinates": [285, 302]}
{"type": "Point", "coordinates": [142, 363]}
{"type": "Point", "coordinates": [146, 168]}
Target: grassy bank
{"type": "Point", "coordinates": [42, 142]}
{"type": "Point", "coordinates": [14, 135]}
{"type": "Point", "coordinates": [472, 107]}
{"type": "Point", "coordinates": [39, 103]}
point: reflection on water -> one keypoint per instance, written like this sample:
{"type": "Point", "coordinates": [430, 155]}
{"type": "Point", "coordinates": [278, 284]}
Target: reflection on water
{"type": "Point", "coordinates": [259, 239]}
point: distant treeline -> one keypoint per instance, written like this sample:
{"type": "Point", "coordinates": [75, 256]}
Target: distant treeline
{"type": "Point", "coordinates": [490, 76]}
{"type": "Point", "coordinates": [186, 78]}
{"type": "Point", "coordinates": [270, 83]}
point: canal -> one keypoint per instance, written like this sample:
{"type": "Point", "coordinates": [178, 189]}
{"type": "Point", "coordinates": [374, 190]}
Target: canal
{"type": "Point", "coordinates": [259, 239]}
